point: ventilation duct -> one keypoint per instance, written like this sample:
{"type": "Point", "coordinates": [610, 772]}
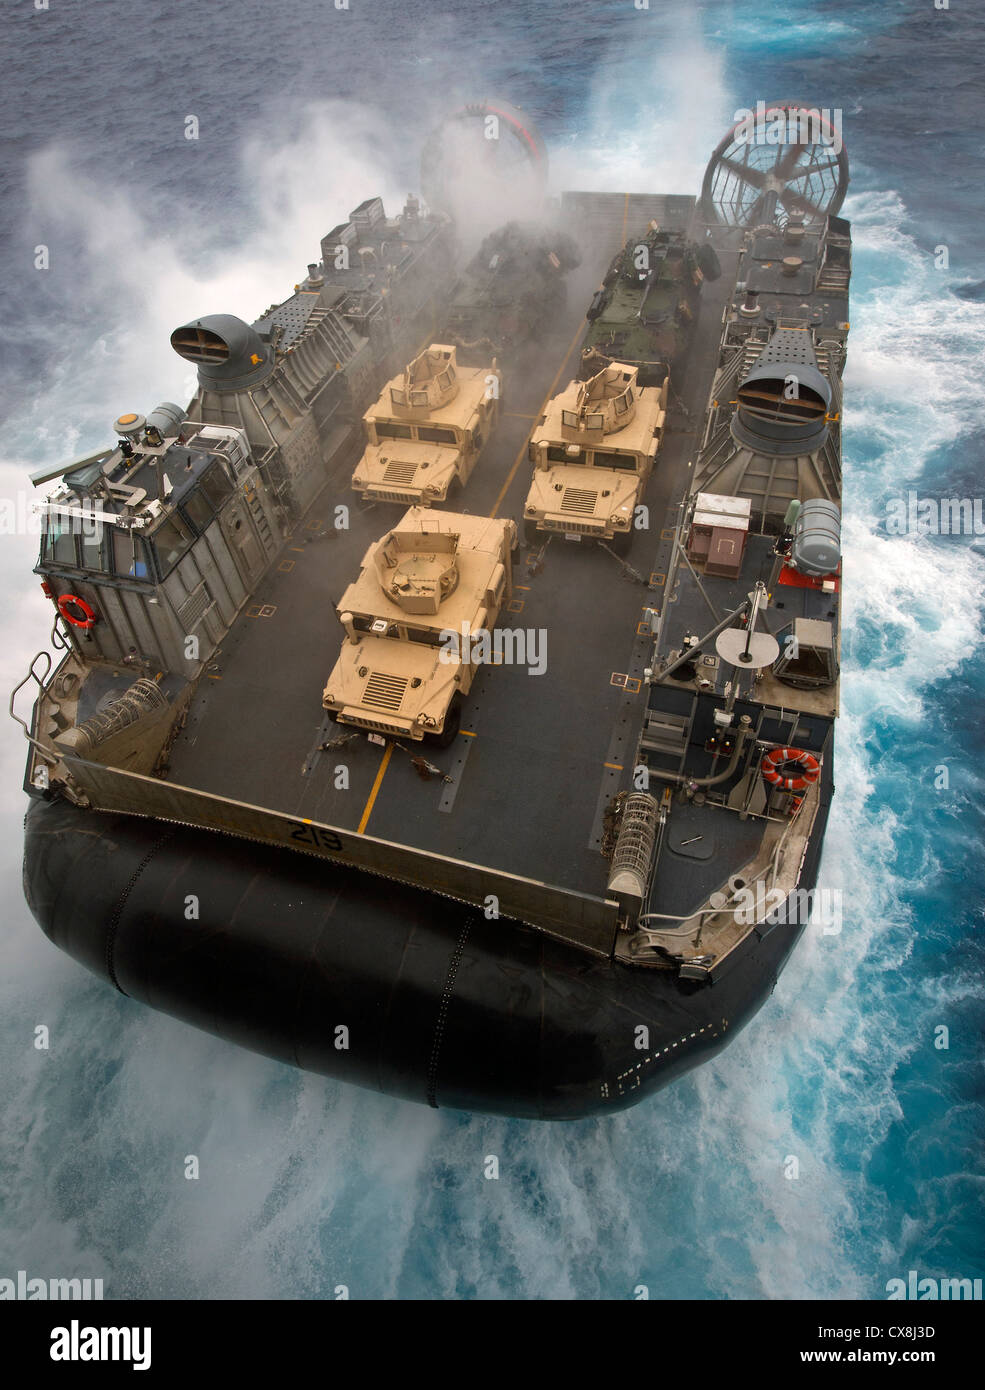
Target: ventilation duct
{"type": "Point", "coordinates": [783, 402]}
{"type": "Point", "coordinates": [229, 354]}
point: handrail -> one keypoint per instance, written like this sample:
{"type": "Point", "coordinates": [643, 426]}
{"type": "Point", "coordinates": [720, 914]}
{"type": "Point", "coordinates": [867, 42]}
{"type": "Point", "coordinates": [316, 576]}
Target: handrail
{"type": "Point", "coordinates": [771, 868]}
{"type": "Point", "coordinates": [60, 633]}
{"type": "Point", "coordinates": [46, 753]}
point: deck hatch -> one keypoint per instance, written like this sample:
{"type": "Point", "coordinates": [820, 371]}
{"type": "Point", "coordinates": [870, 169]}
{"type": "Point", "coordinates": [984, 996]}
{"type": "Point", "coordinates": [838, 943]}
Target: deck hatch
{"type": "Point", "coordinates": [385, 692]}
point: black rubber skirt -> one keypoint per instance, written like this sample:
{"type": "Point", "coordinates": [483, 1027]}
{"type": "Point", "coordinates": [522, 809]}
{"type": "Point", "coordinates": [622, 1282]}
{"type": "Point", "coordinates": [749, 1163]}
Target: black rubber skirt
{"type": "Point", "coordinates": [352, 976]}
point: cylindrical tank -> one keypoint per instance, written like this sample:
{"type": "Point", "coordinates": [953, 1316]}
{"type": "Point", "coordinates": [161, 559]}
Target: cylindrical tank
{"type": "Point", "coordinates": [816, 546]}
{"type": "Point", "coordinates": [167, 418]}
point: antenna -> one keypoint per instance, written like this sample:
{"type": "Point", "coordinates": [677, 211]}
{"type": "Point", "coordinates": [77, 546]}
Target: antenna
{"type": "Point", "coordinates": [748, 650]}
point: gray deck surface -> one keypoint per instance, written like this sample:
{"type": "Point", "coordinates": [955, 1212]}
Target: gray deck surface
{"type": "Point", "coordinates": [529, 786]}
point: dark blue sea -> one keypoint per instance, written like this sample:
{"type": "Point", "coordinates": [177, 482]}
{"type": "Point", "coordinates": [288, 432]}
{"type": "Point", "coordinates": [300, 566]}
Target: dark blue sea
{"type": "Point", "coordinates": [304, 110]}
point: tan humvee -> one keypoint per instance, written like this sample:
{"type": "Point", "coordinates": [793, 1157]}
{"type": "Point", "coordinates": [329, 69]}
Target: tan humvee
{"type": "Point", "coordinates": [593, 451]}
{"type": "Point", "coordinates": [427, 429]}
{"type": "Point", "coordinates": [425, 589]}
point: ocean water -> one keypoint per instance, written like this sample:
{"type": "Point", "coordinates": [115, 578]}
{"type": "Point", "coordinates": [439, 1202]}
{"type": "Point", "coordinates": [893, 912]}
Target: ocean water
{"type": "Point", "coordinates": [307, 1185]}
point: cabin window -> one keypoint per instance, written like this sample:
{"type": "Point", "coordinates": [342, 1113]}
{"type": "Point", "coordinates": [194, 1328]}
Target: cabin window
{"type": "Point", "coordinates": [171, 539]}
{"type": "Point", "coordinates": [141, 561]}
{"type": "Point", "coordinates": [603, 458]}
{"type": "Point", "coordinates": [216, 485]}
{"type": "Point", "coordinates": [388, 431]}
{"type": "Point", "coordinates": [129, 555]}
{"type": "Point", "coordinates": [123, 556]}
{"type": "Point", "coordinates": [433, 434]}
{"type": "Point", "coordinates": [557, 453]}
{"type": "Point", "coordinates": [197, 509]}
{"type": "Point", "coordinates": [59, 542]}
{"type": "Point", "coordinates": [93, 551]}
{"type": "Point", "coordinates": [123, 546]}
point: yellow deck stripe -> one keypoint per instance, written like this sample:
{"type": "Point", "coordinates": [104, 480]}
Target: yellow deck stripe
{"type": "Point", "coordinates": [381, 772]}
{"type": "Point", "coordinates": [550, 392]}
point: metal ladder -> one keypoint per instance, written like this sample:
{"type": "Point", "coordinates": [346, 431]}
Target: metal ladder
{"type": "Point", "coordinates": [260, 521]}
{"type": "Point", "coordinates": [669, 733]}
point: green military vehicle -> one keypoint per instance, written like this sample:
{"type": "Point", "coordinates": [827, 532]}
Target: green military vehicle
{"type": "Point", "coordinates": [511, 288]}
{"type": "Point", "coordinates": [642, 313]}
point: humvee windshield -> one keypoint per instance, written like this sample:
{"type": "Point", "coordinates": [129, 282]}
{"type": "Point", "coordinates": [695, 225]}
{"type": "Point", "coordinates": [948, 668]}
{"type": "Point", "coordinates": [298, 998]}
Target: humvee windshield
{"type": "Point", "coordinates": [604, 459]}
{"type": "Point", "coordinates": [436, 434]}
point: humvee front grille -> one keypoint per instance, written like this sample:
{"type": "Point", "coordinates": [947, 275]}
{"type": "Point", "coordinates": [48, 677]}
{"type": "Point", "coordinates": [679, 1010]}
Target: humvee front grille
{"type": "Point", "coordinates": [400, 473]}
{"type": "Point", "coordinates": [376, 724]}
{"type": "Point", "coordinates": [579, 500]}
{"type": "Point", "coordinates": [388, 494]}
{"type": "Point", "coordinates": [385, 692]}
{"type": "Point", "coordinates": [576, 527]}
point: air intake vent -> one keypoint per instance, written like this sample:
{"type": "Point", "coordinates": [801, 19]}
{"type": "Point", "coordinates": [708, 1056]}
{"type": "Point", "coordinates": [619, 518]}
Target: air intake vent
{"type": "Point", "coordinates": [229, 354]}
{"type": "Point", "coordinates": [579, 501]}
{"type": "Point", "coordinates": [783, 402]}
{"type": "Point", "coordinates": [194, 608]}
{"type": "Point", "coordinates": [400, 473]}
{"type": "Point", "coordinates": [197, 344]}
{"type": "Point", "coordinates": [384, 692]}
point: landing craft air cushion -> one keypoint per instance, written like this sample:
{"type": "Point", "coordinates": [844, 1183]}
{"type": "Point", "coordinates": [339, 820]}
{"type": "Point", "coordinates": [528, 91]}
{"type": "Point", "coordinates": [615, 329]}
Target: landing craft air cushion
{"type": "Point", "coordinates": [551, 920]}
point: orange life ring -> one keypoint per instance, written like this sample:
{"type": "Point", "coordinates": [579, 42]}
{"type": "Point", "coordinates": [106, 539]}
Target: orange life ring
{"type": "Point", "coordinates": [809, 767]}
{"type": "Point", "coordinates": [69, 601]}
